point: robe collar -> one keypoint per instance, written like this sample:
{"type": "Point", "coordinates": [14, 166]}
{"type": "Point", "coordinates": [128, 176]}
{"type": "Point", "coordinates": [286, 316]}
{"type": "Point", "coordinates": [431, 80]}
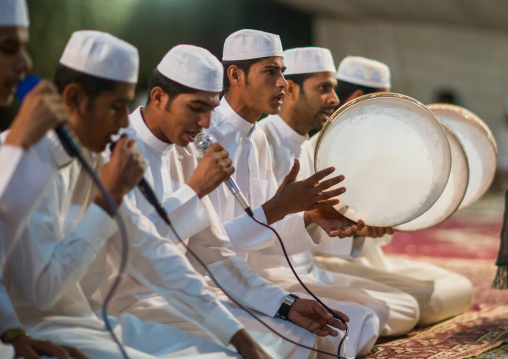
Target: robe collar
{"type": "Point", "coordinates": [245, 127]}
{"type": "Point", "coordinates": [289, 135]}
{"type": "Point", "coordinates": [144, 133]}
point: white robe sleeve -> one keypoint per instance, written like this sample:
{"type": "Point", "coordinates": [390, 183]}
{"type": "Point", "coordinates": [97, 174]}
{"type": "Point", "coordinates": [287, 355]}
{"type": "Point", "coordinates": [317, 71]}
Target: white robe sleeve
{"type": "Point", "coordinates": [178, 206]}
{"type": "Point", "coordinates": [159, 265]}
{"type": "Point", "coordinates": [47, 266]}
{"type": "Point", "coordinates": [8, 316]}
{"type": "Point", "coordinates": [233, 274]}
{"type": "Point", "coordinates": [22, 182]}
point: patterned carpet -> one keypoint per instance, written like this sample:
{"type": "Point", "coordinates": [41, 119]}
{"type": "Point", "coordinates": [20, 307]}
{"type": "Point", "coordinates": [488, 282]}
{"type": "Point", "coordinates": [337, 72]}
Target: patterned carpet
{"type": "Point", "coordinates": [467, 243]}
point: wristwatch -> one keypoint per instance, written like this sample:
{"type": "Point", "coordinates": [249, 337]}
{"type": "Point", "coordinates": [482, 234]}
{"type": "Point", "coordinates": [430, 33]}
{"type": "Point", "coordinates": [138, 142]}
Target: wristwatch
{"type": "Point", "coordinates": [12, 334]}
{"type": "Point", "coordinates": [286, 305]}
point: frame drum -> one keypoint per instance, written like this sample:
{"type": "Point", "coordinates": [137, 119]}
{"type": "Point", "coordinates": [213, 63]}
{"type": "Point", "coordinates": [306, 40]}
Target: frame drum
{"type": "Point", "coordinates": [394, 154]}
{"type": "Point", "coordinates": [479, 144]}
{"type": "Point", "coordinates": [453, 194]}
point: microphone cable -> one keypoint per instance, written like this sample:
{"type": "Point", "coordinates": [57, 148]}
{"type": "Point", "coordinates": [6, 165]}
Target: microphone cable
{"type": "Point", "coordinates": [163, 214]}
{"type": "Point", "coordinates": [72, 149]}
{"type": "Point", "coordinates": [328, 309]}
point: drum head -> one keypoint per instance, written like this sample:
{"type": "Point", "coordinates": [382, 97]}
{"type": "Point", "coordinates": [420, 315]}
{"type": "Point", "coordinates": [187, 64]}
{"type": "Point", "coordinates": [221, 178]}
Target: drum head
{"type": "Point", "coordinates": [479, 144]}
{"type": "Point", "coordinates": [394, 154]}
{"type": "Point", "coordinates": [453, 193]}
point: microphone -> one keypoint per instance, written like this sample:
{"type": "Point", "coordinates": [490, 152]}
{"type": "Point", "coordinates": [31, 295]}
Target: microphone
{"type": "Point", "coordinates": [204, 140]}
{"type": "Point", "coordinates": [148, 192]}
{"type": "Point", "coordinates": [64, 133]}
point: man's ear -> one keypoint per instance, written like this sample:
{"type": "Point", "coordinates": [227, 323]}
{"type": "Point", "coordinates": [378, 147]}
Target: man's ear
{"type": "Point", "coordinates": [235, 75]}
{"type": "Point", "coordinates": [75, 99]}
{"type": "Point", "coordinates": [292, 90]}
{"type": "Point", "coordinates": [158, 98]}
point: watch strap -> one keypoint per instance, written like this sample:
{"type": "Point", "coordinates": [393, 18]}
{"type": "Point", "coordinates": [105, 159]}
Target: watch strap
{"type": "Point", "coordinates": [286, 305]}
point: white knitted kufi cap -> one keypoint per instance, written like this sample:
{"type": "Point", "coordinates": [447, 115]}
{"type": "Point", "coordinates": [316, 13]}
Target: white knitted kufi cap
{"type": "Point", "coordinates": [14, 13]}
{"type": "Point", "coordinates": [365, 72]}
{"type": "Point", "coordinates": [101, 55]}
{"type": "Point", "coordinates": [304, 60]}
{"type": "Point", "coordinates": [251, 44]}
{"type": "Point", "coordinates": [194, 67]}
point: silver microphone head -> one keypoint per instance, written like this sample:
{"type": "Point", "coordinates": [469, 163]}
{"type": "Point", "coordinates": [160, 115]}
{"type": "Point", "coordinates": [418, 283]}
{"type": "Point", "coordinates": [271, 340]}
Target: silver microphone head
{"type": "Point", "coordinates": [202, 141]}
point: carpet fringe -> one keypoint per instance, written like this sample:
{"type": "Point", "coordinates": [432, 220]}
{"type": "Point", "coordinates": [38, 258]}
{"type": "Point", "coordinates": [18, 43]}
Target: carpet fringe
{"type": "Point", "coordinates": [501, 279]}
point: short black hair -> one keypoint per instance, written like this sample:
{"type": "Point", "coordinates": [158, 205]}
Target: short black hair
{"type": "Point", "coordinates": [92, 85]}
{"type": "Point", "coordinates": [172, 88]}
{"type": "Point", "coordinates": [243, 65]}
{"type": "Point", "coordinates": [299, 79]}
{"type": "Point", "coordinates": [346, 89]}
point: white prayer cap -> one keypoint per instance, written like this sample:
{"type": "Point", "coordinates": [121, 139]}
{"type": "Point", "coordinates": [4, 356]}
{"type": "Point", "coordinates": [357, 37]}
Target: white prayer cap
{"type": "Point", "coordinates": [101, 55]}
{"type": "Point", "coordinates": [14, 13]}
{"type": "Point", "coordinates": [366, 72]}
{"type": "Point", "coordinates": [304, 60]}
{"type": "Point", "coordinates": [194, 67]}
{"type": "Point", "coordinates": [251, 44]}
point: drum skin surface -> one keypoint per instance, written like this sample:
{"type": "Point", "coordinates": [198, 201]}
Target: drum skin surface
{"type": "Point", "coordinates": [393, 153]}
{"type": "Point", "coordinates": [453, 194]}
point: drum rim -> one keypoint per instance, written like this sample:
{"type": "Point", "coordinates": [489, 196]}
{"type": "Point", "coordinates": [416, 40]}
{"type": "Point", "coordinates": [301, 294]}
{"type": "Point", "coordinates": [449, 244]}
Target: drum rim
{"type": "Point", "coordinates": [369, 97]}
{"type": "Point", "coordinates": [372, 96]}
{"type": "Point", "coordinates": [470, 116]}
{"type": "Point", "coordinates": [477, 122]}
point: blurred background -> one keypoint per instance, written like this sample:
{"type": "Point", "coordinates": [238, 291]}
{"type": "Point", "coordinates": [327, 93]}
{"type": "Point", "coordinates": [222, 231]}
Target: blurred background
{"type": "Point", "coordinates": [456, 48]}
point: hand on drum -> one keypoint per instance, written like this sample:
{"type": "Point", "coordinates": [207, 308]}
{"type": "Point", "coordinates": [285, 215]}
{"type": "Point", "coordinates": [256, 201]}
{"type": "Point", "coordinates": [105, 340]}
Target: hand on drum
{"type": "Point", "coordinates": [333, 223]}
{"type": "Point", "coordinates": [374, 232]}
{"type": "Point", "coordinates": [298, 196]}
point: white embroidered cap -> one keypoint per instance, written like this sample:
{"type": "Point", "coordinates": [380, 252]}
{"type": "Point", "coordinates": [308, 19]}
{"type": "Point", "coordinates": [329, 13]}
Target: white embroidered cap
{"type": "Point", "coordinates": [14, 13]}
{"type": "Point", "coordinates": [365, 72]}
{"type": "Point", "coordinates": [102, 55]}
{"type": "Point", "coordinates": [251, 44]}
{"type": "Point", "coordinates": [305, 60]}
{"type": "Point", "coordinates": [194, 67]}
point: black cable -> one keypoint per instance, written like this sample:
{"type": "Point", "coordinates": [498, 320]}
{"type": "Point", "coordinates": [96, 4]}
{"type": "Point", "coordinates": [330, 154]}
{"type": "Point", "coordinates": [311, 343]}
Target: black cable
{"type": "Point", "coordinates": [124, 251]}
{"type": "Point", "coordinates": [301, 282]}
{"type": "Point", "coordinates": [163, 214]}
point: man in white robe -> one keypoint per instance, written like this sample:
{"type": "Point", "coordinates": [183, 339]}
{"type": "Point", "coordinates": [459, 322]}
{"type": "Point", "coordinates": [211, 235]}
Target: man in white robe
{"type": "Point", "coordinates": [60, 258]}
{"type": "Point", "coordinates": [183, 91]}
{"type": "Point", "coordinates": [310, 99]}
{"type": "Point", "coordinates": [254, 85]}
{"type": "Point", "coordinates": [440, 293]}
{"type": "Point", "coordinates": [20, 190]}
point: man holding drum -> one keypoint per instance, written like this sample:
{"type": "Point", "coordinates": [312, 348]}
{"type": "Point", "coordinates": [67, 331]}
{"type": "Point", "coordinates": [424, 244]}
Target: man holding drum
{"type": "Point", "coordinates": [440, 293]}
{"type": "Point", "coordinates": [310, 99]}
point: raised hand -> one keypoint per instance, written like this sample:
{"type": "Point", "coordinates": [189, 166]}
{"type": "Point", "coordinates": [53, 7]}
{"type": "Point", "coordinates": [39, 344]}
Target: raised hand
{"type": "Point", "coordinates": [213, 169]}
{"type": "Point", "coordinates": [310, 315]}
{"type": "Point", "coordinates": [41, 110]}
{"type": "Point", "coordinates": [297, 196]}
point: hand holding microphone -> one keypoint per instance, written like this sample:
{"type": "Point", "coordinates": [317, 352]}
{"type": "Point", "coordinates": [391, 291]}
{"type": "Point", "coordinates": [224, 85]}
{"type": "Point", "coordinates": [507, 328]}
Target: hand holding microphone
{"type": "Point", "coordinates": [123, 172]}
{"type": "Point", "coordinates": [41, 109]}
{"type": "Point", "coordinates": [216, 167]}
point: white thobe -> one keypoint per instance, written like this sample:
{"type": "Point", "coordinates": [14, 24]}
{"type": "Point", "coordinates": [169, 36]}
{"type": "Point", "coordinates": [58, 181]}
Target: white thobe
{"type": "Point", "coordinates": [54, 253]}
{"type": "Point", "coordinates": [248, 149]}
{"type": "Point", "coordinates": [169, 167]}
{"type": "Point", "coordinates": [440, 293]}
{"type": "Point", "coordinates": [22, 182]}
{"type": "Point", "coordinates": [399, 309]}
